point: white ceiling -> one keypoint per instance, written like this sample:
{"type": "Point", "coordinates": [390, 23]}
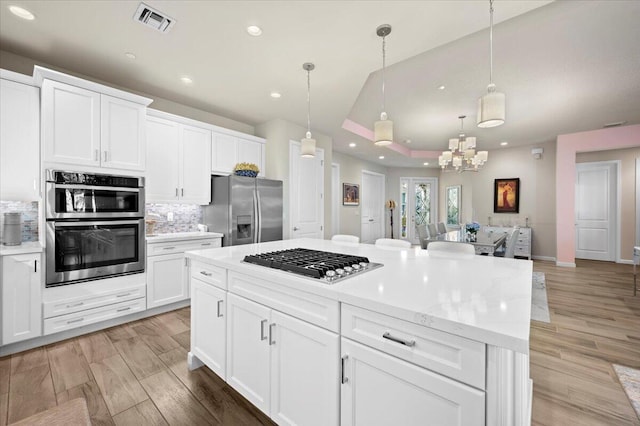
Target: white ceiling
{"type": "Point", "coordinates": [565, 66]}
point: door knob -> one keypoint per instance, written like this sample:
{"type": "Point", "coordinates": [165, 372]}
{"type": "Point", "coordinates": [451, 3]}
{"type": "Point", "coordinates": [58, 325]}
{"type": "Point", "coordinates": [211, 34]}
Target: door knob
{"type": "Point", "coordinates": [295, 228]}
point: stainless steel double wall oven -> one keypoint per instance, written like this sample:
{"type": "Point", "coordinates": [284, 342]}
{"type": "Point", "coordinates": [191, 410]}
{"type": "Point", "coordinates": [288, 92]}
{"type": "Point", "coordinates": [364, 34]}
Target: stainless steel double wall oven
{"type": "Point", "coordinates": [94, 226]}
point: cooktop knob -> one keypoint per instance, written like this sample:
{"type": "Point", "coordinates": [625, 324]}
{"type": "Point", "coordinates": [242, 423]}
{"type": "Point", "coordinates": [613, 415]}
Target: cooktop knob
{"type": "Point", "coordinates": [330, 275]}
{"type": "Point", "coordinates": [348, 269]}
{"type": "Point", "coordinates": [340, 271]}
{"type": "Point", "coordinates": [355, 267]}
{"type": "Point", "coordinates": [364, 265]}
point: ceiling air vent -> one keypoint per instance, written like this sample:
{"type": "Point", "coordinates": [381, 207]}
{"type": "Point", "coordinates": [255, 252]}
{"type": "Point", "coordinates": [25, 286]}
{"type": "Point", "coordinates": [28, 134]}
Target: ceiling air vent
{"type": "Point", "coordinates": [153, 18]}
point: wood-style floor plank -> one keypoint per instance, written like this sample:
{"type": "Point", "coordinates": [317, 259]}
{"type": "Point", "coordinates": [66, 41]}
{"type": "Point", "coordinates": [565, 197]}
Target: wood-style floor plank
{"type": "Point", "coordinates": [5, 373]}
{"type": "Point", "coordinates": [96, 346]}
{"type": "Point", "coordinates": [183, 339]}
{"type": "Point", "coordinates": [120, 332]}
{"type": "Point", "coordinates": [27, 360]}
{"type": "Point", "coordinates": [143, 414]}
{"type": "Point", "coordinates": [140, 359]}
{"type": "Point", "coordinates": [4, 407]}
{"type": "Point", "coordinates": [171, 323]}
{"type": "Point", "coordinates": [69, 367]}
{"type": "Point", "coordinates": [98, 411]}
{"type": "Point", "coordinates": [155, 337]}
{"type": "Point", "coordinates": [185, 315]}
{"type": "Point", "coordinates": [117, 384]}
{"type": "Point", "coordinates": [30, 392]}
{"type": "Point", "coordinates": [175, 402]}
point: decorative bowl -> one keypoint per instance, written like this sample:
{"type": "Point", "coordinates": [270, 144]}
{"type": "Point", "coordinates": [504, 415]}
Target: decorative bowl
{"type": "Point", "coordinates": [248, 173]}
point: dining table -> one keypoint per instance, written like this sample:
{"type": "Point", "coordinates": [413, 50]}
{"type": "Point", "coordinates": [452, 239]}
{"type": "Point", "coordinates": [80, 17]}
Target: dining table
{"type": "Point", "coordinates": [484, 242]}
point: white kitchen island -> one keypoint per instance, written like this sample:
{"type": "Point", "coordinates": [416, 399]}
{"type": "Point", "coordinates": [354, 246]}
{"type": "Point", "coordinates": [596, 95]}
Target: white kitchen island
{"type": "Point", "coordinates": [421, 340]}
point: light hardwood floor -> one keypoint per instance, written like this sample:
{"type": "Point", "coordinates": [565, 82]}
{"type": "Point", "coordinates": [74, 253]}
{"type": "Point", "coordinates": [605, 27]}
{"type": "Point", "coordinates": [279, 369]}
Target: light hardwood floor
{"type": "Point", "coordinates": [136, 374]}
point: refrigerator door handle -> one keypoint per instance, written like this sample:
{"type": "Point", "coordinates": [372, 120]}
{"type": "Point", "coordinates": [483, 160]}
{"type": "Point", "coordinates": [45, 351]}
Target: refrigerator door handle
{"type": "Point", "coordinates": [259, 216]}
{"type": "Point", "coordinates": [255, 216]}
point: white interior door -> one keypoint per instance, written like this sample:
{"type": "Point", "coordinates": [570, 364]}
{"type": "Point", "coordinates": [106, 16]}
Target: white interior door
{"type": "Point", "coordinates": [306, 193]}
{"type": "Point", "coordinates": [372, 202]}
{"type": "Point", "coordinates": [336, 198]}
{"type": "Point", "coordinates": [596, 201]}
{"type": "Point", "coordinates": [418, 205]}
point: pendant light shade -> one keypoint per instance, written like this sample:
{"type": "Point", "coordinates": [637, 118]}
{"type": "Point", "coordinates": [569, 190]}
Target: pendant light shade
{"type": "Point", "coordinates": [491, 107]}
{"type": "Point", "coordinates": [308, 144]}
{"type": "Point", "coordinates": [383, 129]}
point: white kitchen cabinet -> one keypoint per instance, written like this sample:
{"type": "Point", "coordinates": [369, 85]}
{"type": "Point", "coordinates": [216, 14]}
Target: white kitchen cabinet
{"type": "Point", "coordinates": [88, 128]}
{"type": "Point", "coordinates": [19, 141]}
{"type": "Point", "coordinates": [167, 272]}
{"type": "Point", "coordinates": [228, 150]}
{"type": "Point", "coordinates": [286, 367]}
{"type": "Point", "coordinates": [379, 389]}
{"type": "Point", "coordinates": [21, 297]}
{"type": "Point", "coordinates": [209, 325]}
{"type": "Point", "coordinates": [166, 279]}
{"type": "Point", "coordinates": [178, 162]}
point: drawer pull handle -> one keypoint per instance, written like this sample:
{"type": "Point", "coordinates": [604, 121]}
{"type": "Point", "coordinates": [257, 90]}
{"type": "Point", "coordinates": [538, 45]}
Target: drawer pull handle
{"type": "Point", "coordinates": [262, 335]}
{"type": "Point", "coordinates": [220, 314]}
{"type": "Point", "coordinates": [168, 248]}
{"type": "Point", "coordinates": [123, 295]}
{"type": "Point", "coordinates": [75, 320]}
{"type": "Point", "coordinates": [124, 309]}
{"type": "Point", "coordinates": [343, 379]}
{"type": "Point", "coordinates": [205, 244]}
{"type": "Point", "coordinates": [409, 343]}
{"type": "Point", "coordinates": [206, 274]}
{"type": "Point", "coordinates": [75, 304]}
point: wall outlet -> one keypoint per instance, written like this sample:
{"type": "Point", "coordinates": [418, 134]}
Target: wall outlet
{"type": "Point", "coordinates": [170, 217]}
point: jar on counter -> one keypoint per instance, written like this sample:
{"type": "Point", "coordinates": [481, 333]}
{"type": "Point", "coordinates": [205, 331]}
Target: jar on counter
{"type": "Point", "coordinates": [12, 229]}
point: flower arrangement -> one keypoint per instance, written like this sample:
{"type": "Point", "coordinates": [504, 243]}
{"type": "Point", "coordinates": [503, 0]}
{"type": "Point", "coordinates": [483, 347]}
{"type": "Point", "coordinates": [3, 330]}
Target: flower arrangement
{"type": "Point", "coordinates": [246, 169]}
{"type": "Point", "coordinates": [472, 227]}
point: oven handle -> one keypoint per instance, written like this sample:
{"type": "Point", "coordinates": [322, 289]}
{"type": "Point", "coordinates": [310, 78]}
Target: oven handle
{"type": "Point", "coordinates": [97, 222]}
{"type": "Point", "coordinates": [105, 188]}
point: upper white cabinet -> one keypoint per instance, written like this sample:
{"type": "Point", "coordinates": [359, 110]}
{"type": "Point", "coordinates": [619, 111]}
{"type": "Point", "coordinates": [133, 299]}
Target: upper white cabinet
{"type": "Point", "coordinates": [229, 149]}
{"type": "Point", "coordinates": [91, 125]}
{"type": "Point", "coordinates": [21, 297]}
{"type": "Point", "coordinates": [19, 141]}
{"type": "Point", "coordinates": [178, 162]}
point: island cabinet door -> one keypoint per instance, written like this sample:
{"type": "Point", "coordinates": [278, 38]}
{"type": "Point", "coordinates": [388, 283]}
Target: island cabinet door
{"type": "Point", "coordinates": [248, 350]}
{"type": "Point", "coordinates": [305, 362]}
{"type": "Point", "coordinates": [378, 389]}
{"type": "Point", "coordinates": [209, 326]}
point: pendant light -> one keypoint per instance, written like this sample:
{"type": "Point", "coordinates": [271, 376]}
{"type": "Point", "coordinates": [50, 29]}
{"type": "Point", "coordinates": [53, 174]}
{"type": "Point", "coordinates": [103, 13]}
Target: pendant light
{"type": "Point", "coordinates": [383, 129]}
{"type": "Point", "coordinates": [308, 147]}
{"type": "Point", "coordinates": [491, 107]}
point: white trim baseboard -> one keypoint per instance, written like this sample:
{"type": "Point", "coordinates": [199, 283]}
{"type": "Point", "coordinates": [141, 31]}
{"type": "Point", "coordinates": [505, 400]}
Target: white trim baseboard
{"type": "Point", "coordinates": [549, 258]}
{"type": "Point", "coordinates": [566, 264]}
{"type": "Point", "coordinates": [626, 261]}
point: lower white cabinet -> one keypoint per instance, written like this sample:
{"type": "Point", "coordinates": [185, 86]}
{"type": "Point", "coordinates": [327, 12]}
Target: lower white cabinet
{"type": "Point", "coordinates": [209, 325]}
{"type": "Point", "coordinates": [21, 297]}
{"type": "Point", "coordinates": [379, 389]}
{"type": "Point", "coordinates": [166, 279]}
{"type": "Point", "coordinates": [286, 367]}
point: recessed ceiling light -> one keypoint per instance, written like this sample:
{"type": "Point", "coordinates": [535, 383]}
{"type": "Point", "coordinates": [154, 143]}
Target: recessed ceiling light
{"type": "Point", "coordinates": [254, 30]}
{"type": "Point", "coordinates": [504, 143]}
{"type": "Point", "coordinates": [276, 95]}
{"type": "Point", "coordinates": [186, 80]}
{"type": "Point", "coordinates": [352, 145]}
{"type": "Point", "coordinates": [22, 13]}
{"type": "Point", "coordinates": [130, 55]}
{"type": "Point", "coordinates": [441, 87]}
{"type": "Point", "coordinates": [381, 157]}
{"type": "Point", "coordinates": [425, 164]}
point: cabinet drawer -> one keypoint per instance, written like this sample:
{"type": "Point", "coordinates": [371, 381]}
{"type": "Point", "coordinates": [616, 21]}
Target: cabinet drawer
{"type": "Point", "coordinates": [521, 250]}
{"type": "Point", "coordinates": [309, 307]}
{"type": "Point", "coordinates": [86, 301]}
{"type": "Point", "coordinates": [91, 316]}
{"type": "Point", "coordinates": [209, 274]}
{"type": "Point", "coordinates": [456, 357]}
{"type": "Point", "coordinates": [157, 249]}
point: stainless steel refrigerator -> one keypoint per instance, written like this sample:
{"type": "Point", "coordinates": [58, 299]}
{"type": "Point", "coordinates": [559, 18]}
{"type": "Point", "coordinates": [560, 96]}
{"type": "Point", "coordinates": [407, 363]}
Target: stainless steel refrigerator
{"type": "Point", "coordinates": [246, 210]}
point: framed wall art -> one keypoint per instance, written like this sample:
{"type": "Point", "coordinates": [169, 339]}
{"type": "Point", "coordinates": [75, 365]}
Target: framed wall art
{"type": "Point", "coordinates": [506, 195]}
{"type": "Point", "coordinates": [350, 194]}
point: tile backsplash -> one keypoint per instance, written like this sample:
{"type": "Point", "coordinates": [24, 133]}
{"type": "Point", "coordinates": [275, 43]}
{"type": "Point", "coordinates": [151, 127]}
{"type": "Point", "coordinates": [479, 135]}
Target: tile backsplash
{"type": "Point", "coordinates": [29, 212]}
{"type": "Point", "coordinates": [186, 218]}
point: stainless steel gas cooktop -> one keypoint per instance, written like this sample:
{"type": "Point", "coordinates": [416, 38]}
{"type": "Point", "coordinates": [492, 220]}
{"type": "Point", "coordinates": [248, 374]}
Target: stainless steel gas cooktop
{"type": "Point", "coordinates": [325, 266]}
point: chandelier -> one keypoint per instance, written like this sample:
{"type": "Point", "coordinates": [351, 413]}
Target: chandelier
{"type": "Point", "coordinates": [462, 156]}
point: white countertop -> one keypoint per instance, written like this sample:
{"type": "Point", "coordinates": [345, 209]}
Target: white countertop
{"type": "Point", "coordinates": [483, 298]}
{"type": "Point", "coordinates": [181, 236]}
{"type": "Point", "coordinates": [24, 248]}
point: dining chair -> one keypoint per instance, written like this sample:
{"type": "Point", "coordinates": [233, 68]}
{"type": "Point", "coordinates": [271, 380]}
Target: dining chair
{"type": "Point", "coordinates": [423, 235]}
{"type": "Point", "coordinates": [433, 231]}
{"type": "Point", "coordinates": [345, 238]}
{"type": "Point", "coordinates": [392, 243]}
{"type": "Point", "coordinates": [442, 229]}
{"type": "Point", "coordinates": [451, 248]}
{"type": "Point", "coordinates": [510, 246]}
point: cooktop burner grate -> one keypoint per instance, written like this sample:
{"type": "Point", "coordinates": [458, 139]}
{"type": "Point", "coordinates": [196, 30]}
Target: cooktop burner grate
{"type": "Point", "coordinates": [327, 266]}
